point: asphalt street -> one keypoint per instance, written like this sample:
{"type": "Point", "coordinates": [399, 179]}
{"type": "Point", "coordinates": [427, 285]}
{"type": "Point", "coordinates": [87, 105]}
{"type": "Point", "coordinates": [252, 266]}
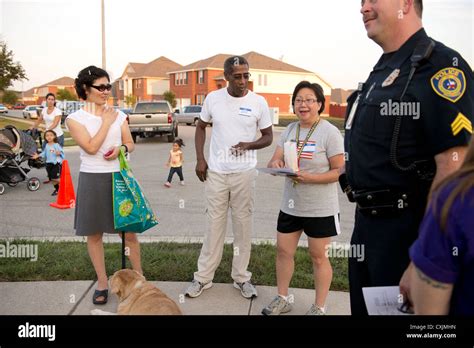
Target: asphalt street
{"type": "Point", "coordinates": [180, 209]}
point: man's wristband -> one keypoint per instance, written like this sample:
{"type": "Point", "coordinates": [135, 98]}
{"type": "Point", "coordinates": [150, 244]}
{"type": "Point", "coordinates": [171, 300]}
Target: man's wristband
{"type": "Point", "coordinates": [126, 148]}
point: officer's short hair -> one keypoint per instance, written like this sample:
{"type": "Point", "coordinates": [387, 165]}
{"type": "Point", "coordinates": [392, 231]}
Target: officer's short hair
{"type": "Point", "coordinates": [231, 61]}
{"type": "Point", "coordinates": [317, 89]}
{"type": "Point", "coordinates": [418, 4]}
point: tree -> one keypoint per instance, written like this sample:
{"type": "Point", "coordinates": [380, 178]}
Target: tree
{"type": "Point", "coordinates": [170, 97]}
{"type": "Point", "coordinates": [130, 100]}
{"type": "Point", "coordinates": [65, 94]}
{"type": "Point", "coordinates": [9, 70]}
{"type": "Point", "coordinates": [9, 97]}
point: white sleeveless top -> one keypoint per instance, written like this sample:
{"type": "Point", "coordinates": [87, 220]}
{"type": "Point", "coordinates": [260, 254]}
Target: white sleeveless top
{"type": "Point", "coordinates": [49, 119]}
{"type": "Point", "coordinates": [96, 163]}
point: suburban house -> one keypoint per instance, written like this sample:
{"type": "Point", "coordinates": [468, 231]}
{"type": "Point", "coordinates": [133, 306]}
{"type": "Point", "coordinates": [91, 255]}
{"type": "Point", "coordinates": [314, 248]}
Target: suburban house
{"type": "Point", "coordinates": [338, 105]}
{"type": "Point", "coordinates": [28, 97]}
{"type": "Point", "coordinates": [146, 82]}
{"type": "Point", "coordinates": [271, 78]}
{"type": "Point", "coordinates": [36, 95]}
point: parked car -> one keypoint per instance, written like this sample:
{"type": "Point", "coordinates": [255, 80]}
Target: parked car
{"type": "Point", "coordinates": [151, 118]}
{"type": "Point", "coordinates": [3, 109]}
{"type": "Point", "coordinates": [31, 111]}
{"type": "Point", "coordinates": [190, 114]}
{"type": "Point", "coordinates": [19, 106]}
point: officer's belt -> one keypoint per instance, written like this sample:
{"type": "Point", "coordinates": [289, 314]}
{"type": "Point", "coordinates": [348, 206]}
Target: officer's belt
{"type": "Point", "coordinates": [384, 202]}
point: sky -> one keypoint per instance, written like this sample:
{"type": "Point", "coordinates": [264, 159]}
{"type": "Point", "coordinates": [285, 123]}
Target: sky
{"type": "Point", "coordinates": [53, 38]}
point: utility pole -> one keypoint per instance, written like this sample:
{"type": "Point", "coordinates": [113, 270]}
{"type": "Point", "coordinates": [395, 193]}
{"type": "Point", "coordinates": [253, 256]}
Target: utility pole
{"type": "Point", "coordinates": [103, 35]}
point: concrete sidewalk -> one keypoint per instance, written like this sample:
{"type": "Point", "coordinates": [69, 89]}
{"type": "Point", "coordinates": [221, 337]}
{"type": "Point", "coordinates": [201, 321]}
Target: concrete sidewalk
{"type": "Point", "coordinates": [75, 298]}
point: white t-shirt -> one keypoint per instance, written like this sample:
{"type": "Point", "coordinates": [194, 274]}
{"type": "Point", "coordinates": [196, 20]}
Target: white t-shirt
{"type": "Point", "coordinates": [49, 119]}
{"type": "Point", "coordinates": [234, 120]}
{"type": "Point", "coordinates": [96, 163]}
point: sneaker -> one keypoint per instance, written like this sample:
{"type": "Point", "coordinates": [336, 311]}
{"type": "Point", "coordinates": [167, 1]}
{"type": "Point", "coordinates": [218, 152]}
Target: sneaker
{"type": "Point", "coordinates": [181, 183]}
{"type": "Point", "coordinates": [55, 193]}
{"type": "Point", "coordinates": [315, 310]}
{"type": "Point", "coordinates": [167, 184]}
{"type": "Point", "coordinates": [246, 289]}
{"type": "Point", "coordinates": [278, 306]}
{"type": "Point", "coordinates": [196, 288]}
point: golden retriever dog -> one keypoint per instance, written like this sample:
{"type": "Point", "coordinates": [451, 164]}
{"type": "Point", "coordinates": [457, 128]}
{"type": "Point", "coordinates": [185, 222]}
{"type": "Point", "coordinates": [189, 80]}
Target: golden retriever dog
{"type": "Point", "coordinates": [138, 297]}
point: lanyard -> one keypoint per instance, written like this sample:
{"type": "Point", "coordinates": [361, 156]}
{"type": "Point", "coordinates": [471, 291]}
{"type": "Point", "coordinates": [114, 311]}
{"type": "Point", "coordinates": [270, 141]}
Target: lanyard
{"type": "Point", "coordinates": [300, 151]}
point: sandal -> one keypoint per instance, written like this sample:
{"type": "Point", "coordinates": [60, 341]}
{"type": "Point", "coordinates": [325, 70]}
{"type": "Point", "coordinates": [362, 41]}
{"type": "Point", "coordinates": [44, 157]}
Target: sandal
{"type": "Point", "coordinates": [100, 293]}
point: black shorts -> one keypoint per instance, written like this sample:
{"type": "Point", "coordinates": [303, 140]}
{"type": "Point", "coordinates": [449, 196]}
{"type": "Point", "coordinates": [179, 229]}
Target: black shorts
{"type": "Point", "coordinates": [314, 227]}
{"type": "Point", "coordinates": [53, 170]}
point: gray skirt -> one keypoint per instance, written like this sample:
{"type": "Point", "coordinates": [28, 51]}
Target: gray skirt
{"type": "Point", "coordinates": [94, 206]}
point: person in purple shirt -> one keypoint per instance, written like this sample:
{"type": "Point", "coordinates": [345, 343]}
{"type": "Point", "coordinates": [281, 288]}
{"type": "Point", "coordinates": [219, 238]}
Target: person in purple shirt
{"type": "Point", "coordinates": [443, 254]}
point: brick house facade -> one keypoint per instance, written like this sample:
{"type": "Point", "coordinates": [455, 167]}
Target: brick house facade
{"type": "Point", "coordinates": [36, 95]}
{"type": "Point", "coordinates": [271, 78]}
{"type": "Point", "coordinates": [146, 82]}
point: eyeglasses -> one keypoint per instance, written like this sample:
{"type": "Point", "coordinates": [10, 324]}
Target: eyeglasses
{"type": "Point", "coordinates": [102, 88]}
{"type": "Point", "coordinates": [246, 76]}
{"type": "Point", "coordinates": [299, 101]}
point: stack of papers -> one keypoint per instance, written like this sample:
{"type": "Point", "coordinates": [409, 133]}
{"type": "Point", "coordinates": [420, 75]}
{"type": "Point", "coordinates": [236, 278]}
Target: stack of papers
{"type": "Point", "coordinates": [291, 155]}
{"type": "Point", "coordinates": [277, 171]}
{"type": "Point", "coordinates": [383, 300]}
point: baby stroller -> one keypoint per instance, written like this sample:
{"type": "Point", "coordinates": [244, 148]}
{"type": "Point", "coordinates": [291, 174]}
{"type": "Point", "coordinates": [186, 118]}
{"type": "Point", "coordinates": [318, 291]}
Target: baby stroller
{"type": "Point", "coordinates": [17, 147]}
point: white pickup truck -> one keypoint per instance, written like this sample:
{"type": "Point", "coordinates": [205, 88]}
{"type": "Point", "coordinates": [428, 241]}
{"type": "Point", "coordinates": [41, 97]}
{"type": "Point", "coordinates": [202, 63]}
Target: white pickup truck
{"type": "Point", "coordinates": [151, 118]}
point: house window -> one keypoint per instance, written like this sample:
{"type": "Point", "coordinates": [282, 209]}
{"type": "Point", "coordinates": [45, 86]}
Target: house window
{"type": "Point", "coordinates": [201, 77]}
{"type": "Point", "coordinates": [200, 99]}
{"type": "Point", "coordinates": [183, 78]}
{"type": "Point", "coordinates": [259, 79]}
{"type": "Point", "coordinates": [176, 79]}
{"type": "Point", "coordinates": [121, 85]}
{"type": "Point", "coordinates": [265, 80]}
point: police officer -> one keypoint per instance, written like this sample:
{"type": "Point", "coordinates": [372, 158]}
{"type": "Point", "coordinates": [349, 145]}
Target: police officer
{"type": "Point", "coordinates": [407, 127]}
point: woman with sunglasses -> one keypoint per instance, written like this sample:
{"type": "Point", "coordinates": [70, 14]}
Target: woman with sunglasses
{"type": "Point", "coordinates": [100, 132]}
{"type": "Point", "coordinates": [310, 203]}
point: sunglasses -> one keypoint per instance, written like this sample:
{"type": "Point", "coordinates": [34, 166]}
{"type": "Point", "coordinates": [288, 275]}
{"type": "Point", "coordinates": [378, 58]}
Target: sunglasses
{"type": "Point", "coordinates": [102, 88]}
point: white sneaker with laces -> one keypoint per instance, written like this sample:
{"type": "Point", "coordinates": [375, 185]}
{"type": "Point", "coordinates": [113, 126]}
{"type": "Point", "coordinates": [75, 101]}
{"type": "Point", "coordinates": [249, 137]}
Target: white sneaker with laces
{"type": "Point", "coordinates": [315, 310]}
{"type": "Point", "coordinates": [196, 288]}
{"type": "Point", "coordinates": [278, 306]}
{"type": "Point", "coordinates": [246, 289]}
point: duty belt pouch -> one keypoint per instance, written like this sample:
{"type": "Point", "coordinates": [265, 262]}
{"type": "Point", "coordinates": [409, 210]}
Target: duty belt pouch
{"type": "Point", "coordinates": [381, 203]}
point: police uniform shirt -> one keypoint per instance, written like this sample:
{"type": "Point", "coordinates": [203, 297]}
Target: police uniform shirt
{"type": "Point", "coordinates": [437, 114]}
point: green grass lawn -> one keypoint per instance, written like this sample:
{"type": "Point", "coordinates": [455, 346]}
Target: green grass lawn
{"type": "Point", "coordinates": [26, 124]}
{"type": "Point", "coordinates": [18, 124]}
{"type": "Point", "coordinates": [161, 261]}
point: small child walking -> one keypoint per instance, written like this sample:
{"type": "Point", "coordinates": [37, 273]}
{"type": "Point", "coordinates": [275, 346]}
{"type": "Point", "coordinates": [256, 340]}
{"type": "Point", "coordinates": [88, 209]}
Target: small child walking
{"type": "Point", "coordinates": [53, 155]}
{"type": "Point", "coordinates": [175, 162]}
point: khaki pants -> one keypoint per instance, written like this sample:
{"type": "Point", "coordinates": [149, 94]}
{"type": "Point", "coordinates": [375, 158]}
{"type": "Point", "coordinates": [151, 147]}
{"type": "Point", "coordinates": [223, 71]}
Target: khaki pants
{"type": "Point", "coordinates": [224, 191]}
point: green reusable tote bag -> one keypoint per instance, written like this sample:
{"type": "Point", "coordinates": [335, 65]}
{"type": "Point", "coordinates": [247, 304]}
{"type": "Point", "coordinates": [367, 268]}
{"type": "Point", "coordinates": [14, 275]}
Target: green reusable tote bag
{"type": "Point", "coordinates": [132, 211]}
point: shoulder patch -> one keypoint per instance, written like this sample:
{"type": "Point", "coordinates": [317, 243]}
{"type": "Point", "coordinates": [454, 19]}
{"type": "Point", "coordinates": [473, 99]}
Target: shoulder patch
{"type": "Point", "coordinates": [461, 122]}
{"type": "Point", "coordinates": [449, 83]}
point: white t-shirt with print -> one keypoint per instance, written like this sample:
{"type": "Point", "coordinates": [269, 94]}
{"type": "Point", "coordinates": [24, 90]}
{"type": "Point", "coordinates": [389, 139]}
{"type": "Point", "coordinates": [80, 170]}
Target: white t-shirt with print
{"type": "Point", "coordinates": [313, 200]}
{"type": "Point", "coordinates": [96, 163]}
{"type": "Point", "coordinates": [49, 119]}
{"type": "Point", "coordinates": [234, 120]}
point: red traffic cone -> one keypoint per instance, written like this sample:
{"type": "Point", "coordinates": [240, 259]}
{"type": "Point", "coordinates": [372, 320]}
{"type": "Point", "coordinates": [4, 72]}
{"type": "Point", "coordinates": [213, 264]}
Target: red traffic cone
{"type": "Point", "coordinates": [66, 195]}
